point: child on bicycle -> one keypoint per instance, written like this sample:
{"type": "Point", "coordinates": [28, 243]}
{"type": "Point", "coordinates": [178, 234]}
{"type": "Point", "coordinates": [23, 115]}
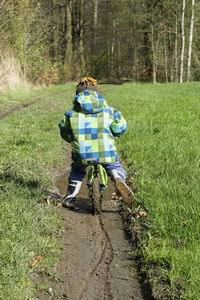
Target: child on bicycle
{"type": "Point", "coordinates": [90, 126]}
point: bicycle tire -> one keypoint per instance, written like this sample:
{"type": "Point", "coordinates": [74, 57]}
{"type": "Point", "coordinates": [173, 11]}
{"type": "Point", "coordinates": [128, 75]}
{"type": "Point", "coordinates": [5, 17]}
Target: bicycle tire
{"type": "Point", "coordinates": [96, 196]}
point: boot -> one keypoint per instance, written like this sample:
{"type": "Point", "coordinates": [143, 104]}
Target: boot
{"type": "Point", "coordinates": [125, 192]}
{"type": "Point", "coordinates": [73, 189]}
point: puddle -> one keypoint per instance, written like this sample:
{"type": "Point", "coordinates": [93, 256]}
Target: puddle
{"type": "Point", "coordinates": [62, 183]}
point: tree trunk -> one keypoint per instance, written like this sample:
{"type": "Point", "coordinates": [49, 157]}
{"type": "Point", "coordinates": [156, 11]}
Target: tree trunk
{"type": "Point", "coordinates": [190, 42]}
{"type": "Point", "coordinates": [154, 63]}
{"type": "Point", "coordinates": [176, 51]}
{"type": "Point", "coordinates": [82, 60]}
{"type": "Point", "coordinates": [95, 17]}
{"type": "Point", "coordinates": [112, 49]}
{"type": "Point", "coordinates": [183, 42]}
{"type": "Point", "coordinates": [68, 54]}
{"type": "Point", "coordinates": [93, 39]}
{"type": "Point", "coordinates": [166, 64]}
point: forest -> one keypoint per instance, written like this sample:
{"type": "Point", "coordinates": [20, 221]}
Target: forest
{"type": "Point", "coordinates": [56, 41]}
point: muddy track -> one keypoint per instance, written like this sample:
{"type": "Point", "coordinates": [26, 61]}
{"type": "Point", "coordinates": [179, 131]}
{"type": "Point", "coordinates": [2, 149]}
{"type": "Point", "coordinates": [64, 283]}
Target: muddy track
{"type": "Point", "coordinates": [96, 263]}
{"type": "Point", "coordinates": [25, 105]}
{"type": "Point", "coordinates": [99, 267]}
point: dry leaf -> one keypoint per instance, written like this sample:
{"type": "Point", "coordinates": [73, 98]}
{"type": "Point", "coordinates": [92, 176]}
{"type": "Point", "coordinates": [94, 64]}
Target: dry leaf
{"type": "Point", "coordinates": [142, 213]}
{"type": "Point", "coordinates": [184, 222]}
{"type": "Point", "coordinates": [35, 260]}
{"type": "Point", "coordinates": [50, 290]}
{"type": "Point", "coordinates": [46, 199]}
{"type": "Point", "coordinates": [59, 204]}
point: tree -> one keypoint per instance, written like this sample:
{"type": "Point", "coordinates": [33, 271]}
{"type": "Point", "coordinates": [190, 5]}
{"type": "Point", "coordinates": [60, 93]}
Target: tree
{"type": "Point", "coordinates": [59, 40]}
{"type": "Point", "coordinates": [190, 42]}
{"type": "Point", "coordinates": [183, 41]}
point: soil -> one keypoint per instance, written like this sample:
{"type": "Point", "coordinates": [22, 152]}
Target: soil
{"type": "Point", "coordinates": [96, 262]}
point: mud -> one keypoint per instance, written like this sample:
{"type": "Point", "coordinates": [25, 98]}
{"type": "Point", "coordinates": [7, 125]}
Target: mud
{"type": "Point", "coordinates": [18, 107]}
{"type": "Point", "coordinates": [97, 263]}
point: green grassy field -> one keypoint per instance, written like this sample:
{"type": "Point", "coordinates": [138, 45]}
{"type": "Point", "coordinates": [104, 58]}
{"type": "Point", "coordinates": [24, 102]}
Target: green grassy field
{"type": "Point", "coordinates": [161, 148]}
{"type": "Point", "coordinates": [31, 155]}
{"type": "Point", "coordinates": [163, 151]}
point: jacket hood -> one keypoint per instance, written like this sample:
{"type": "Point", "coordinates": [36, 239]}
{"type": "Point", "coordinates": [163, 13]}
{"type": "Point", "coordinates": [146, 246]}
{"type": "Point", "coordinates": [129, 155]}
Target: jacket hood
{"type": "Point", "coordinates": [89, 102]}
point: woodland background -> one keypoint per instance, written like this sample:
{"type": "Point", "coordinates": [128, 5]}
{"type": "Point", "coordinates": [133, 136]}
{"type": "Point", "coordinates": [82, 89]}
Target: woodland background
{"type": "Point", "coordinates": [54, 41]}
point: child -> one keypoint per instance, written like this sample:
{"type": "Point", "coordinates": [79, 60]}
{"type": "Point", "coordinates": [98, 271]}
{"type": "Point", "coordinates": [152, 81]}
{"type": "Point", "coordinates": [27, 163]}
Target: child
{"type": "Point", "coordinates": [90, 127]}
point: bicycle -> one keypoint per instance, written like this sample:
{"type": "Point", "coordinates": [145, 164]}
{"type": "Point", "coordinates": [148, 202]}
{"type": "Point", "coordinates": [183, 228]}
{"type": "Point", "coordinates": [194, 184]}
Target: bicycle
{"type": "Point", "coordinates": [97, 183]}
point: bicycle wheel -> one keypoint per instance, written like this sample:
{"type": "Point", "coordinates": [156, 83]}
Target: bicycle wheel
{"type": "Point", "coordinates": [96, 196]}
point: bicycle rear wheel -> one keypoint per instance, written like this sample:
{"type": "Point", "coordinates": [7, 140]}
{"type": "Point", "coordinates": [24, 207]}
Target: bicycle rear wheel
{"type": "Point", "coordinates": [96, 196]}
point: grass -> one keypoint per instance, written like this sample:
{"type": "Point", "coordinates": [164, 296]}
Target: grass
{"type": "Point", "coordinates": [10, 98]}
{"type": "Point", "coordinates": [162, 149]}
{"type": "Point", "coordinates": [31, 153]}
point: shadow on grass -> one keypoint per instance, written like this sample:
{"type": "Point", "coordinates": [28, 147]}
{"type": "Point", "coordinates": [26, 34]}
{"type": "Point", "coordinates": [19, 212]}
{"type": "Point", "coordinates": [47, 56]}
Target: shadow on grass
{"type": "Point", "coordinates": [19, 180]}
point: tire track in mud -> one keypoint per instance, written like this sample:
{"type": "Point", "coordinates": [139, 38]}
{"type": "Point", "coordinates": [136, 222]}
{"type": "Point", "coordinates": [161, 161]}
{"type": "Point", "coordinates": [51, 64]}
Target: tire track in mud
{"type": "Point", "coordinates": [99, 267]}
{"type": "Point", "coordinates": [97, 262]}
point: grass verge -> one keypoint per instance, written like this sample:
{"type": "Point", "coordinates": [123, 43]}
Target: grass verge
{"type": "Point", "coordinates": [161, 150]}
{"type": "Point", "coordinates": [31, 153]}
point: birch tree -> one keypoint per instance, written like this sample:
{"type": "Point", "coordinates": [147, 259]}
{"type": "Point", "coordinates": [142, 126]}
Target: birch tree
{"type": "Point", "coordinates": [190, 42]}
{"type": "Point", "coordinates": [154, 55]}
{"type": "Point", "coordinates": [176, 50]}
{"type": "Point", "coordinates": [183, 41]}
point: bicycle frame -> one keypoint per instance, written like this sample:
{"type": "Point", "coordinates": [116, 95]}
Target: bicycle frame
{"type": "Point", "coordinates": [93, 173]}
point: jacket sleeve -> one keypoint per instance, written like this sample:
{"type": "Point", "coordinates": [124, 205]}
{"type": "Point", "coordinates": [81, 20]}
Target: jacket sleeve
{"type": "Point", "coordinates": [65, 129]}
{"type": "Point", "coordinates": [119, 125]}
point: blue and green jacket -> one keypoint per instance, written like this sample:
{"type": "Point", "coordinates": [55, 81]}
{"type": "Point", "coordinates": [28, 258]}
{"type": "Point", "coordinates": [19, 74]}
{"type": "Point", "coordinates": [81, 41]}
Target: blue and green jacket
{"type": "Point", "coordinates": [90, 127]}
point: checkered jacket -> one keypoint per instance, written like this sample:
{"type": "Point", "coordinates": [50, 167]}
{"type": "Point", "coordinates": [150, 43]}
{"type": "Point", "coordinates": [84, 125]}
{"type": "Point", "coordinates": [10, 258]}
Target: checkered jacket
{"type": "Point", "coordinates": [90, 127]}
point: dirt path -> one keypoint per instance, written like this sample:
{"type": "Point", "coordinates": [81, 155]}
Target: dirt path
{"type": "Point", "coordinates": [21, 106]}
{"type": "Point", "coordinates": [96, 262]}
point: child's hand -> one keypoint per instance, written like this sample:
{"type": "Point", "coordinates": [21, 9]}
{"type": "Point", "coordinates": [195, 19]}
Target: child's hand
{"type": "Point", "coordinates": [115, 129]}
